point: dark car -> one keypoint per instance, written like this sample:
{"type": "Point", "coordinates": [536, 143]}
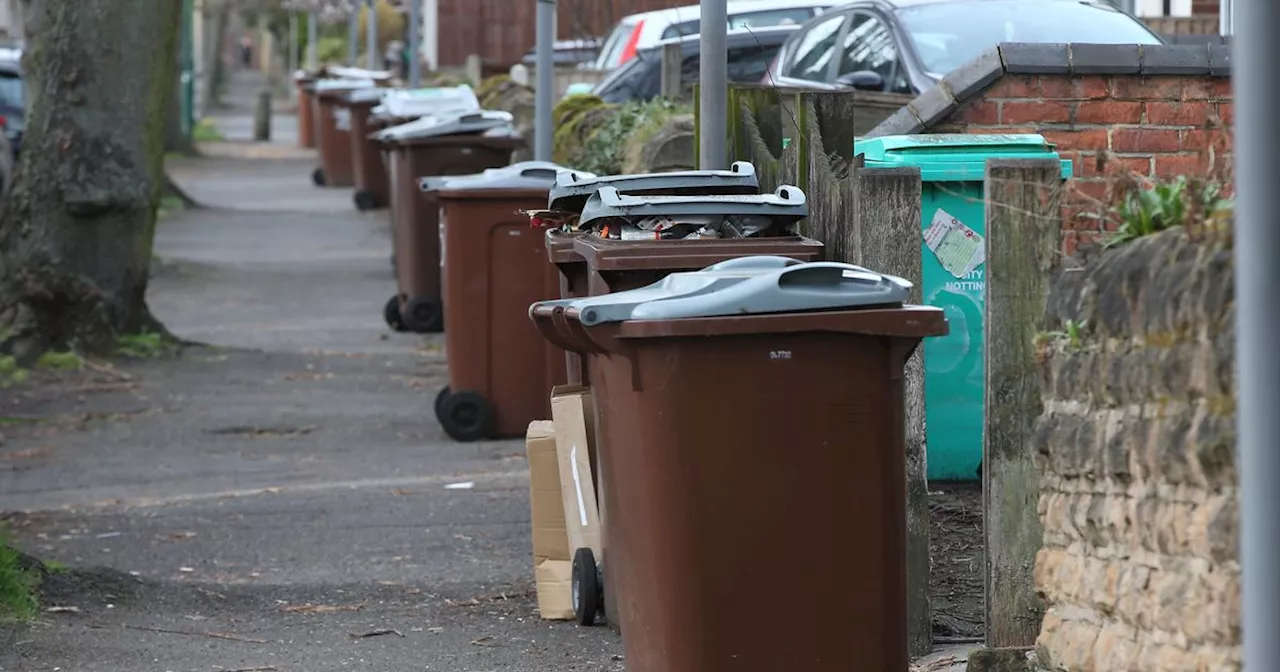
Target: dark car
{"type": "Point", "coordinates": [13, 115]}
{"type": "Point", "coordinates": [750, 51]}
{"type": "Point", "coordinates": [567, 52]}
{"type": "Point", "coordinates": [906, 46]}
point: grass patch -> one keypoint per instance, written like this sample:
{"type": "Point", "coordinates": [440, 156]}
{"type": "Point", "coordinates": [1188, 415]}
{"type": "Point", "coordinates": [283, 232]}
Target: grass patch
{"type": "Point", "coordinates": [60, 361]}
{"type": "Point", "coordinates": [53, 567]}
{"type": "Point", "coordinates": [17, 586]}
{"type": "Point", "coordinates": [144, 345]}
{"type": "Point", "coordinates": [205, 131]}
{"type": "Point", "coordinates": [169, 204]}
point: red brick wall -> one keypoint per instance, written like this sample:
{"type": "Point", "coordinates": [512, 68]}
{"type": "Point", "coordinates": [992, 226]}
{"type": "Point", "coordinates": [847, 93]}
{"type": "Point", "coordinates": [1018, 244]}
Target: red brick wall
{"type": "Point", "coordinates": [1155, 126]}
{"type": "Point", "coordinates": [502, 31]}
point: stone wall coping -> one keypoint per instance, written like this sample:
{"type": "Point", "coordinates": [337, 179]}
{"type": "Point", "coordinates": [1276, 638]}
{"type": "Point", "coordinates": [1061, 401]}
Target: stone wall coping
{"type": "Point", "coordinates": [1018, 58]}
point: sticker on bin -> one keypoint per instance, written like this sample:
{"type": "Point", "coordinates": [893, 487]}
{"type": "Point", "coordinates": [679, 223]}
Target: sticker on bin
{"type": "Point", "coordinates": [342, 119]}
{"type": "Point", "coordinates": [745, 286]}
{"type": "Point", "coordinates": [574, 188]}
{"type": "Point", "coordinates": [610, 214]}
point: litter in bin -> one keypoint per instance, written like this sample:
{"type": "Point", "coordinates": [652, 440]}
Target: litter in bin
{"type": "Point", "coordinates": [615, 216]}
{"type": "Point", "coordinates": [413, 103]}
{"type": "Point", "coordinates": [484, 122]}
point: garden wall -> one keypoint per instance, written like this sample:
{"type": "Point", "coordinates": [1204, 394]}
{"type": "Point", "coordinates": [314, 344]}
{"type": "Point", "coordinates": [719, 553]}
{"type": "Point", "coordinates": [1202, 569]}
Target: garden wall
{"type": "Point", "coordinates": [1136, 452]}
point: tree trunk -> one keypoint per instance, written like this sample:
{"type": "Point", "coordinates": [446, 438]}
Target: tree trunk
{"type": "Point", "coordinates": [76, 231]}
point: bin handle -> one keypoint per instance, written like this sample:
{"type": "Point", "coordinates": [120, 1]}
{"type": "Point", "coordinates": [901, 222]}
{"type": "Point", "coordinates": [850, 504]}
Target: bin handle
{"type": "Point", "coordinates": [833, 273]}
{"type": "Point", "coordinates": [760, 261]}
{"type": "Point", "coordinates": [538, 173]}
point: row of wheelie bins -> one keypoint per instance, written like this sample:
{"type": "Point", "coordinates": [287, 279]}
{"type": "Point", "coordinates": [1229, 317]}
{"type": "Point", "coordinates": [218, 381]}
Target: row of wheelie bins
{"type": "Point", "coordinates": [748, 398]}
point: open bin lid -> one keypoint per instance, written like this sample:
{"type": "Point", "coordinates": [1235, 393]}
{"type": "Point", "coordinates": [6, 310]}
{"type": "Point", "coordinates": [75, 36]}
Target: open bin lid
{"type": "Point", "coordinates": [343, 84]}
{"type": "Point", "coordinates": [535, 175]}
{"type": "Point", "coordinates": [367, 94]}
{"type": "Point", "coordinates": [744, 286]}
{"type": "Point", "coordinates": [405, 103]}
{"type": "Point", "coordinates": [954, 157]}
{"type": "Point", "coordinates": [358, 73]}
{"type": "Point", "coordinates": [785, 205]}
{"type": "Point", "coordinates": [573, 189]}
{"type": "Point", "coordinates": [436, 125]}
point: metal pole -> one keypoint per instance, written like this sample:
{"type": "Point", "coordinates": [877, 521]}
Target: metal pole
{"type": "Point", "coordinates": [1257, 278]}
{"type": "Point", "coordinates": [713, 106]}
{"type": "Point", "coordinates": [431, 33]}
{"type": "Point", "coordinates": [415, 28]}
{"type": "Point", "coordinates": [544, 96]}
{"type": "Point", "coordinates": [313, 35]}
{"type": "Point", "coordinates": [293, 47]}
{"type": "Point", "coordinates": [1226, 23]}
{"type": "Point", "coordinates": [353, 37]}
{"type": "Point", "coordinates": [371, 35]}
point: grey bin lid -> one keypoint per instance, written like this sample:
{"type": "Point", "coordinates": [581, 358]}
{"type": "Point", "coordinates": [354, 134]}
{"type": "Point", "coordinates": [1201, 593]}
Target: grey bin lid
{"type": "Point", "coordinates": [448, 124]}
{"type": "Point", "coordinates": [786, 204]}
{"type": "Point", "coordinates": [344, 84]}
{"type": "Point", "coordinates": [573, 188]}
{"type": "Point", "coordinates": [367, 94]}
{"type": "Point", "coordinates": [745, 286]}
{"type": "Point", "coordinates": [523, 175]}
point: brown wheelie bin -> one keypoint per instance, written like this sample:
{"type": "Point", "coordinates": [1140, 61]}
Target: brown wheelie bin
{"type": "Point", "coordinates": [421, 151]}
{"type": "Point", "coordinates": [369, 173]}
{"type": "Point", "coordinates": [780, 448]}
{"type": "Point", "coordinates": [500, 370]}
{"type": "Point", "coordinates": [613, 265]}
{"type": "Point", "coordinates": [570, 194]}
{"type": "Point", "coordinates": [304, 80]}
{"type": "Point", "coordinates": [333, 130]}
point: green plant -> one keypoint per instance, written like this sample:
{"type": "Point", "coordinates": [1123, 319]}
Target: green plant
{"type": "Point", "coordinates": [1072, 333]}
{"type": "Point", "coordinates": [60, 361]}
{"type": "Point", "coordinates": [17, 586]}
{"type": "Point", "coordinates": [146, 344]}
{"type": "Point", "coordinates": [331, 49]}
{"type": "Point", "coordinates": [604, 152]}
{"type": "Point", "coordinates": [52, 567]}
{"type": "Point", "coordinates": [1156, 206]}
{"type": "Point", "coordinates": [205, 131]}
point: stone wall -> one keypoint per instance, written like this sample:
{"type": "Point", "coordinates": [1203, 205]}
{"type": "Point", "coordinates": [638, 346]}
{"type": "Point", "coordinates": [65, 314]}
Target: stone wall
{"type": "Point", "coordinates": [1136, 451]}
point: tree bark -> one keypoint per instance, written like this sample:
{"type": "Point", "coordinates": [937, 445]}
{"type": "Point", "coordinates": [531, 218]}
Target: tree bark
{"type": "Point", "coordinates": [76, 231]}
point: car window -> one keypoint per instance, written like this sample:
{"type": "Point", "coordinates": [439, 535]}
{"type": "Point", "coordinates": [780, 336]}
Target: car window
{"type": "Point", "coordinates": [11, 91]}
{"type": "Point", "coordinates": [748, 64]}
{"type": "Point", "coordinates": [870, 45]}
{"type": "Point", "coordinates": [815, 50]}
{"type": "Point", "coordinates": [627, 82]}
{"type": "Point", "coordinates": [682, 28]}
{"type": "Point", "coordinates": [770, 17]}
{"type": "Point", "coordinates": [947, 35]}
{"type": "Point", "coordinates": [611, 50]}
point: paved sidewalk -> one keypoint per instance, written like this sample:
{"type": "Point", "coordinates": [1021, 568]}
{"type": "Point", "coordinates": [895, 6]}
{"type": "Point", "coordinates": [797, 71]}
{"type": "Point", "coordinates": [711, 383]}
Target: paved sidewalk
{"type": "Point", "coordinates": [265, 502]}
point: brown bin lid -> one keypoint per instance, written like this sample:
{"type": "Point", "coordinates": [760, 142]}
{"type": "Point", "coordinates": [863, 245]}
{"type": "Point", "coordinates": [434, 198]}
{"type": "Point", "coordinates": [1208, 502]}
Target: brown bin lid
{"type": "Point", "coordinates": [560, 247]}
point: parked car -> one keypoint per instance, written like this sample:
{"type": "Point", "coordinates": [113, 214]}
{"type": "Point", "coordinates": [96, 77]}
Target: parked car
{"type": "Point", "coordinates": [568, 52]}
{"type": "Point", "coordinates": [906, 46]}
{"type": "Point", "coordinates": [750, 51]}
{"type": "Point", "coordinates": [13, 112]}
{"type": "Point", "coordinates": [643, 31]}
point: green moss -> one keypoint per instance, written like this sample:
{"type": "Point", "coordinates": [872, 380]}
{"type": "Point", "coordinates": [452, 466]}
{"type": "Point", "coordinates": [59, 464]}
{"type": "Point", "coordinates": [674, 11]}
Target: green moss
{"type": "Point", "coordinates": [604, 151]}
{"type": "Point", "coordinates": [55, 567]}
{"type": "Point", "coordinates": [10, 372]}
{"type": "Point", "coordinates": [1223, 406]}
{"type": "Point", "coordinates": [144, 345]}
{"type": "Point", "coordinates": [17, 586]}
{"type": "Point", "coordinates": [60, 361]}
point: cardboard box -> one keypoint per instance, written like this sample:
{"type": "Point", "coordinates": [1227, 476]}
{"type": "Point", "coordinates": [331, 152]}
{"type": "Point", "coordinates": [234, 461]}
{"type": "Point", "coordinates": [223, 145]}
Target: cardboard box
{"type": "Point", "coordinates": [552, 560]}
{"type": "Point", "coordinates": [573, 410]}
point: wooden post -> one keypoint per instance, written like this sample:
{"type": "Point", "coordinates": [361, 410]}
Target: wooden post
{"type": "Point", "coordinates": [672, 62]}
{"type": "Point", "coordinates": [885, 237]}
{"type": "Point", "coordinates": [262, 117]}
{"type": "Point", "coordinates": [474, 69]}
{"type": "Point", "coordinates": [1023, 232]}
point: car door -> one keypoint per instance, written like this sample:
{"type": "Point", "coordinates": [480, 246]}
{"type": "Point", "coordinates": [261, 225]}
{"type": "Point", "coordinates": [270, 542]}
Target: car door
{"type": "Point", "coordinates": [810, 60]}
{"type": "Point", "coordinates": [870, 46]}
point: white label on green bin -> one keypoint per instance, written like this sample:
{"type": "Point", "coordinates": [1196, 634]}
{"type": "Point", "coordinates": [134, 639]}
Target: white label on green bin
{"type": "Point", "coordinates": [958, 248]}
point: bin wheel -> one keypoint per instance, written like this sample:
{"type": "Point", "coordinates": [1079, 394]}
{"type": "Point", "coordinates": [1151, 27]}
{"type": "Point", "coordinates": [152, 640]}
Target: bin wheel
{"type": "Point", "coordinates": [391, 313]}
{"type": "Point", "coordinates": [423, 315]}
{"type": "Point", "coordinates": [317, 177]}
{"type": "Point", "coordinates": [441, 396]}
{"type": "Point", "coordinates": [466, 416]}
{"type": "Point", "coordinates": [586, 588]}
{"type": "Point", "coordinates": [365, 200]}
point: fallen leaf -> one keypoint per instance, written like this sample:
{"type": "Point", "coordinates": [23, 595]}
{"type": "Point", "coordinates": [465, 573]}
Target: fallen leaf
{"type": "Point", "coordinates": [62, 610]}
{"type": "Point", "coordinates": [26, 454]}
{"type": "Point", "coordinates": [376, 633]}
{"type": "Point", "coordinates": [487, 640]}
{"type": "Point", "coordinates": [186, 570]}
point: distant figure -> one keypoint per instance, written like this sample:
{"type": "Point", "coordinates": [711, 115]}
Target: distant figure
{"type": "Point", "coordinates": [246, 51]}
